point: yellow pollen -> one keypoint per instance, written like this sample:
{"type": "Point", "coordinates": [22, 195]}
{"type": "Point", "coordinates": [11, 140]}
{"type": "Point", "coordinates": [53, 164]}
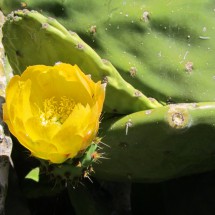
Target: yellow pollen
{"type": "Point", "coordinates": [56, 111]}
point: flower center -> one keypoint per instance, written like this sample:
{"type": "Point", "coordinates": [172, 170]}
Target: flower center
{"type": "Point", "coordinates": [56, 111]}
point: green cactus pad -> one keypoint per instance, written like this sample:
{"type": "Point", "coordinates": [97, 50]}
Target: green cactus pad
{"type": "Point", "coordinates": [159, 144]}
{"type": "Point", "coordinates": [30, 38]}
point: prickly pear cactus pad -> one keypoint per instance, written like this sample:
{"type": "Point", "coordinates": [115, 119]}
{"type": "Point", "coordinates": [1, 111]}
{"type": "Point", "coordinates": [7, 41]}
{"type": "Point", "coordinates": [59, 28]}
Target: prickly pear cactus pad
{"type": "Point", "coordinates": [52, 43]}
{"type": "Point", "coordinates": [160, 144]}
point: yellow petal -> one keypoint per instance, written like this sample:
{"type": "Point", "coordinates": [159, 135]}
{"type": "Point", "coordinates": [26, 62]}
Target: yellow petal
{"type": "Point", "coordinates": [57, 158]}
{"type": "Point", "coordinates": [36, 130]}
{"type": "Point", "coordinates": [11, 96]}
{"type": "Point", "coordinates": [99, 95]}
{"type": "Point", "coordinates": [62, 87]}
{"type": "Point", "coordinates": [23, 106]}
{"type": "Point", "coordinates": [68, 144]}
{"type": "Point", "coordinates": [43, 148]}
{"type": "Point", "coordinates": [78, 125]}
{"type": "Point", "coordinates": [78, 119]}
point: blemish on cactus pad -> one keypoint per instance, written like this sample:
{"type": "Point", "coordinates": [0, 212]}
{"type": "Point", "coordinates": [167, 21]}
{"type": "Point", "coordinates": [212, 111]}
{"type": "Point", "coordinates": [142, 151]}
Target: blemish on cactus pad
{"type": "Point", "coordinates": [133, 71]}
{"type": "Point", "coordinates": [93, 30]}
{"type": "Point", "coordinates": [178, 116]}
{"type": "Point", "coordinates": [45, 25]}
{"type": "Point", "coordinates": [80, 46]}
{"type": "Point", "coordinates": [137, 93]}
{"type": "Point", "coordinates": [189, 66]}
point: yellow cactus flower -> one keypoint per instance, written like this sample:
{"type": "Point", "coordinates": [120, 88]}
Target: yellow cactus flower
{"type": "Point", "coordinates": [53, 111]}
